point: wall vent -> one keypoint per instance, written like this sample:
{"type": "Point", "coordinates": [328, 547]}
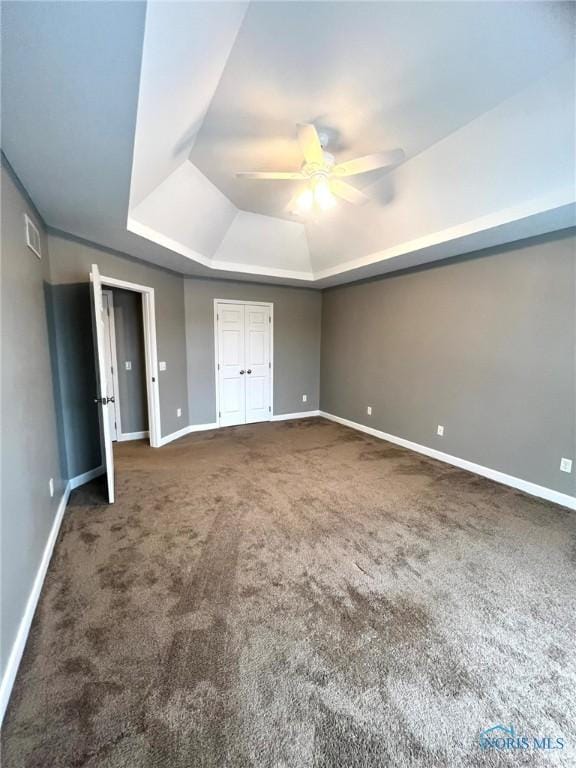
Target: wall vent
{"type": "Point", "coordinates": [32, 236]}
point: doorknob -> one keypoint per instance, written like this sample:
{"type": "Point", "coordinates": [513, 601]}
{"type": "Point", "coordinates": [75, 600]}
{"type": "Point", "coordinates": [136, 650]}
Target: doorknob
{"type": "Point", "coordinates": [241, 372]}
{"type": "Point", "coordinates": [249, 370]}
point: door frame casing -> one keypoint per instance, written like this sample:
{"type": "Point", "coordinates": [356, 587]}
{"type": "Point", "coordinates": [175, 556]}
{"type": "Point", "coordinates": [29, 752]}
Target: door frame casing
{"type": "Point", "coordinates": [114, 362]}
{"type": "Point", "coordinates": [150, 352]}
{"type": "Point", "coordinates": [270, 306]}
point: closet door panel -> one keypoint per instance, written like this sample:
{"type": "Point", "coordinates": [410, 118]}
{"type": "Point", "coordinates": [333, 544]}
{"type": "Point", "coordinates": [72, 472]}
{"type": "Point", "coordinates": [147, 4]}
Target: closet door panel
{"type": "Point", "coordinates": [258, 363]}
{"type": "Point", "coordinates": [231, 370]}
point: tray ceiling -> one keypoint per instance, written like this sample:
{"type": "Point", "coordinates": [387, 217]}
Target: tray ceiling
{"type": "Point", "coordinates": [460, 87]}
{"type": "Point", "coordinates": [127, 124]}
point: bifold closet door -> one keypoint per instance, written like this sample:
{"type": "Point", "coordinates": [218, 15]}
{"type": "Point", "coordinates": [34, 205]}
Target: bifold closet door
{"type": "Point", "coordinates": [257, 361]}
{"type": "Point", "coordinates": [244, 371]}
{"type": "Point", "coordinates": [231, 370]}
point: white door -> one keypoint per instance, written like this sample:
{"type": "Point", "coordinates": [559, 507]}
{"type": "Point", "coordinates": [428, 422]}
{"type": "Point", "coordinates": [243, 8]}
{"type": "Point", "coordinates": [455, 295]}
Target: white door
{"type": "Point", "coordinates": [111, 373]}
{"type": "Point", "coordinates": [101, 398]}
{"type": "Point", "coordinates": [258, 363]}
{"type": "Point", "coordinates": [244, 370]}
{"type": "Point", "coordinates": [231, 370]}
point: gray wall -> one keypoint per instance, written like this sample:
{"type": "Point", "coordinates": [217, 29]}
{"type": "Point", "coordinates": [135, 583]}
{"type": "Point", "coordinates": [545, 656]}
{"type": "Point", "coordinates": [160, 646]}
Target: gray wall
{"type": "Point", "coordinates": [70, 263]}
{"type": "Point", "coordinates": [484, 346]}
{"type": "Point", "coordinates": [297, 318]}
{"type": "Point", "coordinates": [30, 452]}
{"type": "Point", "coordinates": [73, 363]}
{"type": "Point", "coordinates": [129, 328]}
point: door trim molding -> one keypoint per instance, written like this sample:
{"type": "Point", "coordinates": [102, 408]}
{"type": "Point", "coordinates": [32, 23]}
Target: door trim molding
{"type": "Point", "coordinates": [270, 306]}
{"type": "Point", "coordinates": [150, 353]}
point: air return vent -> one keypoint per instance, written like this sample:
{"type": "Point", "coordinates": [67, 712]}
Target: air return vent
{"type": "Point", "coordinates": [32, 236]}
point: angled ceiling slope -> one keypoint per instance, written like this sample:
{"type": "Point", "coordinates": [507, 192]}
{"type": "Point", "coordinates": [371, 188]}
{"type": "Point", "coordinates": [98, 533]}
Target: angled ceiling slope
{"type": "Point", "coordinates": [141, 114]}
{"type": "Point", "coordinates": [479, 95]}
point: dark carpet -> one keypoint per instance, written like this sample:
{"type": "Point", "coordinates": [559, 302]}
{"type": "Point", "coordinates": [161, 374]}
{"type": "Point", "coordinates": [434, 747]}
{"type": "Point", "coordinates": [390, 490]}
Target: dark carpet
{"type": "Point", "coordinates": [298, 594]}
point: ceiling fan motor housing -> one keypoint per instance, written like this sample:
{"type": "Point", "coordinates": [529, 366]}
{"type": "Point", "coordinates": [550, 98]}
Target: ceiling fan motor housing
{"type": "Point", "coordinates": [313, 169]}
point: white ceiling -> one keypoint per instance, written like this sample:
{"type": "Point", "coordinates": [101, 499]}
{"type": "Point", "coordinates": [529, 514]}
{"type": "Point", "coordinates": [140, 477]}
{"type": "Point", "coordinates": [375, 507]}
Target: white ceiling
{"type": "Point", "coordinates": [470, 91]}
{"type": "Point", "coordinates": [120, 112]}
{"type": "Point", "coordinates": [375, 75]}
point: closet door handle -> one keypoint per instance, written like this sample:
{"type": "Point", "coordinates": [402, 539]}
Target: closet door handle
{"type": "Point", "coordinates": [249, 370]}
{"type": "Point", "coordinates": [241, 372]}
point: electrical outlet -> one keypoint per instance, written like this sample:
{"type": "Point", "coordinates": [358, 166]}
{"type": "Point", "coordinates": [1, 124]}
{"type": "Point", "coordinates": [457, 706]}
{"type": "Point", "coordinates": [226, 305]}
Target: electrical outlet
{"type": "Point", "coordinates": [566, 465]}
{"type": "Point", "coordinates": [162, 366]}
{"type": "Point", "coordinates": [440, 430]}
{"type": "Point", "coordinates": [51, 486]}
{"type": "Point", "coordinates": [304, 398]}
{"type": "Point", "coordinates": [369, 410]}
{"type": "Point", "coordinates": [128, 365]}
{"type": "Point", "coordinates": [178, 412]}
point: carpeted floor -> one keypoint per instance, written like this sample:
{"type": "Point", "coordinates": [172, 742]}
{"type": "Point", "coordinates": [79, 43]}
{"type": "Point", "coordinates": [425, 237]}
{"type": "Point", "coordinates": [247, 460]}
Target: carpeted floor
{"type": "Point", "coordinates": [298, 594]}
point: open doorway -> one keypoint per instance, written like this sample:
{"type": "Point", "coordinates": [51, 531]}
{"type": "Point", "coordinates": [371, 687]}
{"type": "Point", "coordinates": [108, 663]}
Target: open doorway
{"type": "Point", "coordinates": [102, 342]}
{"type": "Point", "coordinates": [125, 362]}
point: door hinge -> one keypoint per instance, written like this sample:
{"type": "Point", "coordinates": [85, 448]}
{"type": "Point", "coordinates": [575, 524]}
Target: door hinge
{"type": "Point", "coordinates": [218, 366]}
{"type": "Point", "coordinates": [219, 414]}
{"type": "Point", "coordinates": [111, 369]}
{"type": "Point", "coordinates": [269, 365]}
{"type": "Point", "coordinates": [269, 319]}
{"type": "Point", "coordinates": [269, 408]}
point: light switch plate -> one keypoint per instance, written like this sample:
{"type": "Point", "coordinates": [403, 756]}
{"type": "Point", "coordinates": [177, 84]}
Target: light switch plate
{"type": "Point", "coordinates": [128, 365]}
{"type": "Point", "coordinates": [566, 465]}
{"type": "Point", "coordinates": [51, 486]}
{"type": "Point", "coordinates": [162, 366]}
{"type": "Point", "coordinates": [440, 430]}
{"type": "Point", "coordinates": [178, 412]}
{"type": "Point", "coordinates": [369, 410]}
{"type": "Point", "coordinates": [304, 398]}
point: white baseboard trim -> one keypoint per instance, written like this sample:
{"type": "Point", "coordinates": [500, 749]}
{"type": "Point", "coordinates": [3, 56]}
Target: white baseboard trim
{"type": "Point", "coordinates": [26, 622]}
{"type": "Point", "coordinates": [124, 436]}
{"type": "Point", "coordinates": [533, 489]}
{"type": "Point", "coordinates": [214, 425]}
{"type": "Point", "coordinates": [85, 477]}
{"type": "Point", "coordinates": [286, 416]}
{"type": "Point", "coordinates": [186, 431]}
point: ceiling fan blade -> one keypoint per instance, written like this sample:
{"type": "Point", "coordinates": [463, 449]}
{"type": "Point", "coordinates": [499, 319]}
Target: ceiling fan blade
{"type": "Point", "coordinates": [271, 175]}
{"type": "Point", "coordinates": [293, 206]}
{"type": "Point", "coordinates": [348, 192]}
{"type": "Point", "coordinates": [369, 163]}
{"type": "Point", "coordinates": [310, 144]}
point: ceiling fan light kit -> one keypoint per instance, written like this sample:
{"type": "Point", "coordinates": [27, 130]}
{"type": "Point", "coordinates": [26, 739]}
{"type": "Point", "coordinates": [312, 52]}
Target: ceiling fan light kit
{"type": "Point", "coordinates": [324, 175]}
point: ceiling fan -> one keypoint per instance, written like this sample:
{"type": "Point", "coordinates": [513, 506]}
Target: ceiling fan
{"type": "Point", "coordinates": [324, 175]}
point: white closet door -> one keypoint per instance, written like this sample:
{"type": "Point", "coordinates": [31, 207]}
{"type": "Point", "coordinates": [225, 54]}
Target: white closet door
{"type": "Point", "coordinates": [231, 373]}
{"type": "Point", "coordinates": [257, 360]}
